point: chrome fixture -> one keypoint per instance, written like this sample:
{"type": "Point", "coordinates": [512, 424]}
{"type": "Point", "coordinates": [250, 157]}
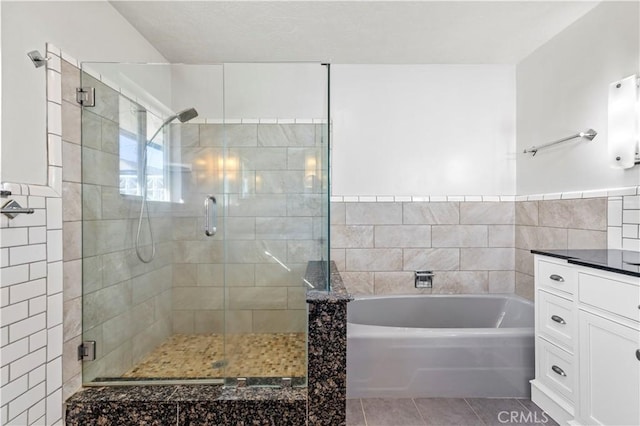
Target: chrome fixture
{"type": "Point", "coordinates": [209, 228]}
{"type": "Point", "coordinates": [13, 209]}
{"type": "Point", "coordinates": [587, 134]}
{"type": "Point", "coordinates": [183, 116]}
{"type": "Point", "coordinates": [37, 58]}
{"type": "Point", "coordinates": [424, 279]}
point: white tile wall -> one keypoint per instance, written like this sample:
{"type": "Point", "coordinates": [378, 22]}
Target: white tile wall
{"type": "Point", "coordinates": [623, 230]}
{"type": "Point", "coordinates": [31, 284]}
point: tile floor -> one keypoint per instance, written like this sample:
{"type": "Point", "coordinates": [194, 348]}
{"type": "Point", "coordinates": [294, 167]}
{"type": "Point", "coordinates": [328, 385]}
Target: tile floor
{"type": "Point", "coordinates": [445, 412]}
{"type": "Point", "coordinates": [246, 355]}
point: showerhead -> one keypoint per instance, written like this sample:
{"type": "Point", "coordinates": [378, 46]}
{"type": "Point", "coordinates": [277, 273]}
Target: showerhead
{"type": "Point", "coordinates": [187, 114]}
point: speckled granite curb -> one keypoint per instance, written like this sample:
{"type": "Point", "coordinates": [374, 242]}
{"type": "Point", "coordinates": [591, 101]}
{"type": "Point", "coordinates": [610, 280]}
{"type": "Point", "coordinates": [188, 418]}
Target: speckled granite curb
{"type": "Point", "coordinates": [322, 403]}
{"type": "Point", "coordinates": [327, 353]}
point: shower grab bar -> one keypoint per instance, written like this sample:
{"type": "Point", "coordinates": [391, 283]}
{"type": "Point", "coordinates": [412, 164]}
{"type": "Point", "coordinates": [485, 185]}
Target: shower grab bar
{"type": "Point", "coordinates": [13, 208]}
{"type": "Point", "coordinates": [210, 230]}
{"type": "Point", "coordinates": [587, 134]}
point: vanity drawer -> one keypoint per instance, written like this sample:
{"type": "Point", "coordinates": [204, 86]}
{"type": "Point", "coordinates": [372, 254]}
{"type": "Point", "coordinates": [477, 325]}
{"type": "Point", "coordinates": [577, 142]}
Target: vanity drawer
{"type": "Point", "coordinates": [556, 319]}
{"type": "Point", "coordinates": [617, 297]}
{"type": "Point", "coordinates": [555, 276]}
{"type": "Point", "coordinates": [556, 369]}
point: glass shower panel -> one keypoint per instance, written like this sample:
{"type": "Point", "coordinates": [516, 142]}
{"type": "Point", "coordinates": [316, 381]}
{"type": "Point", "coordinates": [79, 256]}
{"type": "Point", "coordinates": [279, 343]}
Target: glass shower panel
{"type": "Point", "coordinates": [275, 205]}
{"type": "Point", "coordinates": [153, 294]}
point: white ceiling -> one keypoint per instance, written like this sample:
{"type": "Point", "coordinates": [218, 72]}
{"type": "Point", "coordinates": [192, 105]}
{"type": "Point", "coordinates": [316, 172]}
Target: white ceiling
{"type": "Point", "coordinates": [419, 32]}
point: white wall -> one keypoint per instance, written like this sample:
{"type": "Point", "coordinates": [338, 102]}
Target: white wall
{"type": "Point", "coordinates": [85, 30]}
{"type": "Point", "coordinates": [562, 88]}
{"type": "Point", "coordinates": [423, 129]}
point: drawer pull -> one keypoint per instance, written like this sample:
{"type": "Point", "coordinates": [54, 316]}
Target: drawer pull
{"type": "Point", "coordinates": [558, 319]}
{"type": "Point", "coordinates": [638, 354]}
{"type": "Point", "coordinates": [558, 371]}
{"type": "Point", "coordinates": [557, 278]}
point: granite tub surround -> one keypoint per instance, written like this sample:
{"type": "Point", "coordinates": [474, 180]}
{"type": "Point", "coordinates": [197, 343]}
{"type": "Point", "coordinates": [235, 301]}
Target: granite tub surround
{"type": "Point", "coordinates": [187, 405]}
{"type": "Point", "coordinates": [327, 352]}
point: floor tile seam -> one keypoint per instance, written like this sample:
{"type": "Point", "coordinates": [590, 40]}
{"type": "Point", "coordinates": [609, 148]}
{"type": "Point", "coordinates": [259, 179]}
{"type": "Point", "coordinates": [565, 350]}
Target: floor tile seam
{"type": "Point", "coordinates": [364, 414]}
{"type": "Point", "coordinates": [424, 422]}
{"type": "Point", "coordinates": [475, 412]}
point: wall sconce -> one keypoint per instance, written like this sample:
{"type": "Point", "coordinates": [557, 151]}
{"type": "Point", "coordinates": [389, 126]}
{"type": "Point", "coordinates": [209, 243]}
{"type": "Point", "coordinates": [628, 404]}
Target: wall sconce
{"type": "Point", "coordinates": [623, 122]}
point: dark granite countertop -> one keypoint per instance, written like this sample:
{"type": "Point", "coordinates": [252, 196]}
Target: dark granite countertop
{"type": "Point", "coordinates": [315, 274]}
{"type": "Point", "coordinates": [620, 261]}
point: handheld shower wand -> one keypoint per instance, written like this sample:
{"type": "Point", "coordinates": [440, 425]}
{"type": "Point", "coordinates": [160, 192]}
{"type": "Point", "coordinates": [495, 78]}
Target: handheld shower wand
{"type": "Point", "coordinates": [183, 116]}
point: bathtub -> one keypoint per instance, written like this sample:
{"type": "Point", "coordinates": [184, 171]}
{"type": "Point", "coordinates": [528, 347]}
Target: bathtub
{"type": "Point", "coordinates": [440, 346]}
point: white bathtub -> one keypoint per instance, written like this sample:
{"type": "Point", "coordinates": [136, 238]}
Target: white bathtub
{"type": "Point", "coordinates": [440, 346]}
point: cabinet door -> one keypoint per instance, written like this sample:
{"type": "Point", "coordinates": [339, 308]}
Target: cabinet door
{"type": "Point", "coordinates": [609, 372]}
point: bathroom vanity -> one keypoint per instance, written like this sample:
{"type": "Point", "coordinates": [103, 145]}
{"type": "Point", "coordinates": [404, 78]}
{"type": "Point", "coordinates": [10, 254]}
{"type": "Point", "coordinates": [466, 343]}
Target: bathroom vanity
{"type": "Point", "coordinates": [587, 328]}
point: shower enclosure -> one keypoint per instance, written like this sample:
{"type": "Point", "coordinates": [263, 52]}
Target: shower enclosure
{"type": "Point", "coordinates": [198, 231]}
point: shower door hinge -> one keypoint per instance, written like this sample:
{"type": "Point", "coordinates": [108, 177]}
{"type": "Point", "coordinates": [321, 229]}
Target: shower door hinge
{"type": "Point", "coordinates": [87, 351]}
{"type": "Point", "coordinates": [86, 96]}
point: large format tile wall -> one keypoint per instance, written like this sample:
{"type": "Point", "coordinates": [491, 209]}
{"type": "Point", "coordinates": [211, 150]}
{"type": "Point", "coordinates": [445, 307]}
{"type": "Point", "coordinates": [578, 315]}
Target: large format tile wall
{"type": "Point", "coordinates": [271, 212]}
{"type": "Point", "coordinates": [126, 304]}
{"type": "Point", "coordinates": [31, 285]}
{"type": "Point", "coordinates": [556, 224]}
{"type": "Point", "coordinates": [469, 246]}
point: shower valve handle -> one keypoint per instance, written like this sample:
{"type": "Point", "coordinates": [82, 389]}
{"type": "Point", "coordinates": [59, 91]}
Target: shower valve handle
{"type": "Point", "coordinates": [210, 226]}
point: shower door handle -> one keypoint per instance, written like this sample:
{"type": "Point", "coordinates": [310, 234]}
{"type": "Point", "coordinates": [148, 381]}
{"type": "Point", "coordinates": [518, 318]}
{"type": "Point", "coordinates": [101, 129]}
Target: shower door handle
{"type": "Point", "coordinates": [210, 226]}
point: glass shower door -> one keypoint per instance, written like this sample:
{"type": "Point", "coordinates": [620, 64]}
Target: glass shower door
{"type": "Point", "coordinates": [275, 224]}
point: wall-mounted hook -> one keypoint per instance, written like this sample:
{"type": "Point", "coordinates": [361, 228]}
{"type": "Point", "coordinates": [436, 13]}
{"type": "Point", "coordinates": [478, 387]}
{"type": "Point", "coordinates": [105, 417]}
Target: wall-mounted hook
{"type": "Point", "coordinates": [37, 58]}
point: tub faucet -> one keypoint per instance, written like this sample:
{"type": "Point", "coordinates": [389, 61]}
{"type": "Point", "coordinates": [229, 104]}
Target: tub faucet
{"type": "Point", "coordinates": [424, 279]}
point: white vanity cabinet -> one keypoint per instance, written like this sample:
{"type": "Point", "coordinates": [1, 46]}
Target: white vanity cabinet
{"type": "Point", "coordinates": [587, 344]}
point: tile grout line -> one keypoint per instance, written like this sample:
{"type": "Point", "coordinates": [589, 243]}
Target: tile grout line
{"type": "Point", "coordinates": [364, 414]}
{"type": "Point", "coordinates": [419, 412]}
{"type": "Point", "coordinates": [474, 411]}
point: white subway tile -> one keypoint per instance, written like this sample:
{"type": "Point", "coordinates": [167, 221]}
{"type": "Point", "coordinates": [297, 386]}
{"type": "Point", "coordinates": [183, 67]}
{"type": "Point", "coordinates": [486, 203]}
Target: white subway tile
{"type": "Point", "coordinates": [595, 193]}
{"type": "Point", "coordinates": [27, 327]}
{"type": "Point", "coordinates": [367, 199]}
{"type": "Point", "coordinates": [27, 363]}
{"type": "Point", "coordinates": [473, 198]}
{"type": "Point", "coordinates": [22, 403]}
{"type": "Point", "coordinates": [336, 199]}
{"type": "Point", "coordinates": [54, 342]}
{"type": "Point", "coordinates": [4, 296]}
{"type": "Point", "coordinates": [54, 213]}
{"type": "Point", "coordinates": [385, 199]}
{"type": "Point", "coordinates": [20, 420]}
{"type": "Point", "coordinates": [13, 275]}
{"type": "Point", "coordinates": [13, 351]}
{"type": "Point", "coordinates": [55, 179]}
{"type": "Point", "coordinates": [629, 231]}
{"type": "Point", "coordinates": [54, 407]}
{"type": "Point", "coordinates": [12, 390]}
{"type": "Point", "coordinates": [4, 375]}
{"type": "Point", "coordinates": [437, 198]}
{"type": "Point", "coordinates": [508, 198]}
{"type": "Point", "coordinates": [455, 198]}
{"type": "Point", "coordinates": [27, 254]}
{"type": "Point", "coordinates": [263, 120]}
{"type": "Point", "coordinates": [232, 121]}
{"type": "Point", "coordinates": [534, 197]}
{"type": "Point", "coordinates": [614, 237]}
{"type": "Point", "coordinates": [37, 202]}
{"type": "Point", "coordinates": [631, 202]}
{"type": "Point", "coordinates": [53, 49]}
{"type": "Point", "coordinates": [631, 216]}
{"type": "Point", "coordinates": [4, 259]}
{"type": "Point", "coordinates": [631, 244]}
{"type": "Point", "coordinates": [27, 290]}
{"type": "Point", "coordinates": [304, 120]}
{"type": "Point", "coordinates": [54, 245]}
{"type": "Point", "coordinates": [519, 198]}
{"type": "Point", "coordinates": [14, 313]}
{"type": "Point", "coordinates": [37, 270]}
{"type": "Point", "coordinates": [4, 415]}
{"type": "Point", "coordinates": [54, 118]}
{"type": "Point", "coordinates": [37, 305]}
{"type": "Point", "coordinates": [54, 310]}
{"type": "Point", "coordinates": [37, 234]}
{"type": "Point", "coordinates": [403, 199]}
{"type": "Point", "coordinates": [38, 340]}
{"type": "Point", "coordinates": [614, 212]}
{"type": "Point", "coordinates": [571, 195]}
{"type": "Point", "coordinates": [14, 237]}
{"type": "Point", "coordinates": [42, 191]}
{"type": "Point", "coordinates": [631, 190]}
{"type": "Point", "coordinates": [38, 218]}
{"type": "Point", "coordinates": [552, 196]}
{"type": "Point", "coordinates": [54, 145]}
{"type": "Point", "coordinates": [37, 375]}
{"type": "Point", "coordinates": [54, 374]}
{"type": "Point", "coordinates": [15, 188]}
{"type": "Point", "coordinates": [286, 121]}
{"type": "Point", "coordinates": [54, 278]}
{"type": "Point", "coordinates": [54, 85]}
{"type": "Point", "coordinates": [350, 199]}
{"type": "Point", "coordinates": [36, 414]}
{"type": "Point", "coordinates": [420, 199]}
